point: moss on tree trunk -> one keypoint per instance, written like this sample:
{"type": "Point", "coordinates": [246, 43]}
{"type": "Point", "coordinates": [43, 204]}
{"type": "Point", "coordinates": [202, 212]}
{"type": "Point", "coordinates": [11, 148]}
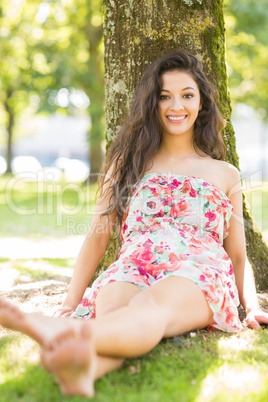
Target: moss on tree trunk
{"type": "Point", "coordinates": [136, 32]}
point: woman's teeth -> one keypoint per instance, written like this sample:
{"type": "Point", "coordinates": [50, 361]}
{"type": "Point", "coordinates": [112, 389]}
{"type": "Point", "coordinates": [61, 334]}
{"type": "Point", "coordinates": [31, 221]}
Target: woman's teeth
{"type": "Point", "coordinates": [176, 118]}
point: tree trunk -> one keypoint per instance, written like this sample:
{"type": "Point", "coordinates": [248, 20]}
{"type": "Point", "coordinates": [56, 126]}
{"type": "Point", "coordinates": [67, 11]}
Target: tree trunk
{"type": "Point", "coordinates": [10, 126]}
{"type": "Point", "coordinates": [136, 32]}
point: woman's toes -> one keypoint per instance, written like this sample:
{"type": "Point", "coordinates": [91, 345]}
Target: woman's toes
{"type": "Point", "coordinates": [10, 316]}
{"type": "Point", "coordinates": [59, 338]}
{"type": "Point", "coordinates": [64, 336]}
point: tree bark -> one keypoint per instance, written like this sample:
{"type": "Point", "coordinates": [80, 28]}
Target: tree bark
{"type": "Point", "coordinates": [136, 32]}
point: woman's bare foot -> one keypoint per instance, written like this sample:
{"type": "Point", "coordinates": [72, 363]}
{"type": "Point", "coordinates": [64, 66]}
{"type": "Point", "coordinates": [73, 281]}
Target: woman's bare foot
{"type": "Point", "coordinates": [12, 317]}
{"type": "Point", "coordinates": [39, 327]}
{"type": "Point", "coordinates": [72, 359]}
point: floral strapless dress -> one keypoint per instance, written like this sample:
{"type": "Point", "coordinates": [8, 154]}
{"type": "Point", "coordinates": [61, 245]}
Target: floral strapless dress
{"type": "Point", "coordinates": [175, 226]}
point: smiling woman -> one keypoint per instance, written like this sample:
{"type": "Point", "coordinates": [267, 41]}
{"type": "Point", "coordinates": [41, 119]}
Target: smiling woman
{"type": "Point", "coordinates": [182, 265]}
{"type": "Point", "coordinates": [141, 139]}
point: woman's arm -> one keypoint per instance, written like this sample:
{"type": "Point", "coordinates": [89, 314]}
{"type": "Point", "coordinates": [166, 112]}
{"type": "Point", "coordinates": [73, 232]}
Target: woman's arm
{"type": "Point", "coordinates": [235, 246]}
{"type": "Point", "coordinates": [90, 254]}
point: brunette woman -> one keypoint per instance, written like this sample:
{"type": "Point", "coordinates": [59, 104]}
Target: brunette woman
{"type": "Point", "coordinates": [182, 265]}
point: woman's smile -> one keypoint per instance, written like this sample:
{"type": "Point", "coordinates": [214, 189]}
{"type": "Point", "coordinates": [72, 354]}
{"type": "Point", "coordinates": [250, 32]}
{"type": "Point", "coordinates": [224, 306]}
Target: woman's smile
{"type": "Point", "coordinates": [176, 119]}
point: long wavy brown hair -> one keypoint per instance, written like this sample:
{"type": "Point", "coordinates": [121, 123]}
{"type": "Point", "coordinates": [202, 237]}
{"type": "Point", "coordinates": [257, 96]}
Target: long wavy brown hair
{"type": "Point", "coordinates": [132, 152]}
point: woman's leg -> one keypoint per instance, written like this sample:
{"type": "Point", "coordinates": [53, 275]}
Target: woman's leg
{"type": "Point", "coordinates": [172, 306]}
{"type": "Point", "coordinates": [79, 358]}
{"type": "Point", "coordinates": [60, 359]}
{"type": "Point", "coordinates": [110, 298]}
{"type": "Point", "coordinates": [43, 328]}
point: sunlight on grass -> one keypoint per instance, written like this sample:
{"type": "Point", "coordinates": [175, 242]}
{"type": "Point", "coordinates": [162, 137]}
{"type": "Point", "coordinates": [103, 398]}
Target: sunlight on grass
{"type": "Point", "coordinates": [230, 380]}
{"type": "Point", "coordinates": [242, 373]}
{"type": "Point", "coordinates": [237, 342]}
{"type": "Point", "coordinates": [48, 247]}
{"type": "Point", "coordinates": [58, 262]}
{"type": "Point", "coordinates": [40, 270]}
{"type": "Point", "coordinates": [26, 271]}
{"type": "Point", "coordinates": [16, 351]}
{"type": "Point", "coordinates": [8, 275]}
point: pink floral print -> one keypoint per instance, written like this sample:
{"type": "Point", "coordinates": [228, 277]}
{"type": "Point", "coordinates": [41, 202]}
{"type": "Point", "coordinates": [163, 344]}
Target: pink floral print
{"type": "Point", "coordinates": [175, 226]}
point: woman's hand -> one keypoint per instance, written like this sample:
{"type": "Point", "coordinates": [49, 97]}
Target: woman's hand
{"type": "Point", "coordinates": [64, 311]}
{"type": "Point", "coordinates": [255, 317]}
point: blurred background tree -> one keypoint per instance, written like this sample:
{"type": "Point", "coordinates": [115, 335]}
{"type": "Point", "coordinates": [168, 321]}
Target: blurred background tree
{"type": "Point", "coordinates": [51, 60]}
{"type": "Point", "coordinates": [246, 23]}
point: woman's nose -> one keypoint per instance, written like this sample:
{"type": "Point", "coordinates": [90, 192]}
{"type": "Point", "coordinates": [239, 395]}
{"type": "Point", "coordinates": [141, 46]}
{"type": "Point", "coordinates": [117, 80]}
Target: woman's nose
{"type": "Point", "coordinates": [177, 103]}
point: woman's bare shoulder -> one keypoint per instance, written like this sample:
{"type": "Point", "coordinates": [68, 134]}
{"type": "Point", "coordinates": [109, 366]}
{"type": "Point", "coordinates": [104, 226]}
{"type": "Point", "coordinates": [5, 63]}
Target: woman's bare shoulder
{"type": "Point", "coordinates": [227, 167]}
{"type": "Point", "coordinates": [231, 177]}
{"type": "Point", "coordinates": [223, 174]}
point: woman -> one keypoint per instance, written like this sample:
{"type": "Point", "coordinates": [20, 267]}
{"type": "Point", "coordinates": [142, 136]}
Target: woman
{"type": "Point", "coordinates": [175, 200]}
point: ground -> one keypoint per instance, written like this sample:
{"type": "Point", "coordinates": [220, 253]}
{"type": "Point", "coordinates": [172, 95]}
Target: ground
{"type": "Point", "coordinates": [194, 367]}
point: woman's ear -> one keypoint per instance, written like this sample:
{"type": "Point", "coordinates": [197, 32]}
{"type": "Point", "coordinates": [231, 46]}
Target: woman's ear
{"type": "Point", "coordinates": [200, 107]}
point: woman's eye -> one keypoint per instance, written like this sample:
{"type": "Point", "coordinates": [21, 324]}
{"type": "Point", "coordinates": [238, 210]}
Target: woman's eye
{"type": "Point", "coordinates": [164, 97]}
{"type": "Point", "coordinates": [188, 96]}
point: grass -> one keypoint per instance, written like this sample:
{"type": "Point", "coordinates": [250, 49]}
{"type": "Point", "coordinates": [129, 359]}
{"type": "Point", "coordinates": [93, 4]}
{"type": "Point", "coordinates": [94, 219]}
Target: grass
{"type": "Point", "coordinates": [58, 262]}
{"type": "Point", "coordinates": [257, 198]}
{"type": "Point", "coordinates": [211, 366]}
{"type": "Point", "coordinates": [48, 209]}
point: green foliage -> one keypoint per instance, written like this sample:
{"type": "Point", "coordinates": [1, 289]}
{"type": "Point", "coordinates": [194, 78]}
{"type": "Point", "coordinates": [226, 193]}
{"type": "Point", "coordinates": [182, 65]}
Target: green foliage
{"type": "Point", "coordinates": [247, 53]}
{"type": "Point", "coordinates": [45, 47]}
{"type": "Point", "coordinates": [50, 50]}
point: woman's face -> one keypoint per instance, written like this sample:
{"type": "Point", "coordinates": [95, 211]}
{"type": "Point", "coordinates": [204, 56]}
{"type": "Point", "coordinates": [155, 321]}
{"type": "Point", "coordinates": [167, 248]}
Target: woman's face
{"type": "Point", "coordinates": [179, 103]}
